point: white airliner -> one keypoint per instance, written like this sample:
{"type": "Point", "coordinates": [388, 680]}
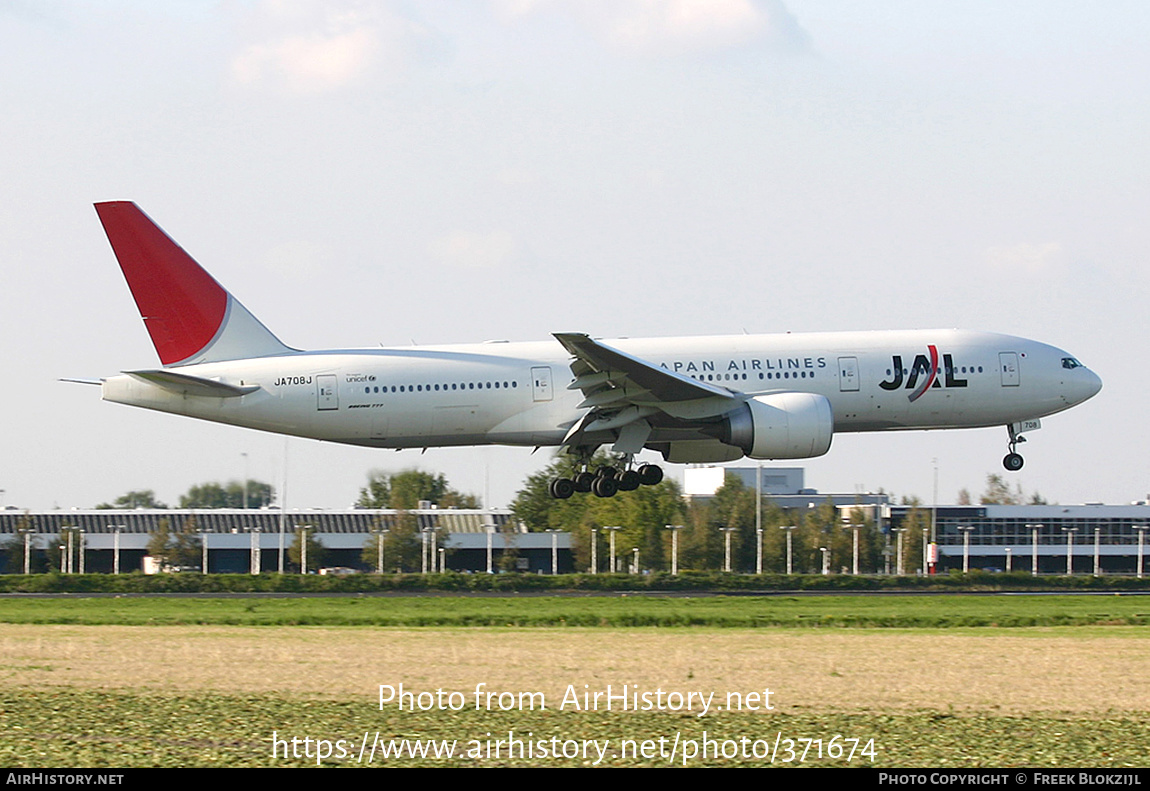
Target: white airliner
{"type": "Point", "coordinates": [700, 399]}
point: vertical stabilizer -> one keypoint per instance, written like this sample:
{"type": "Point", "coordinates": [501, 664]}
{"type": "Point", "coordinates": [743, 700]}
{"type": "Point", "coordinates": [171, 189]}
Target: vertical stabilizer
{"type": "Point", "coordinates": [190, 317]}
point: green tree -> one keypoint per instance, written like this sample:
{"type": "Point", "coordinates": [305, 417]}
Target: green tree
{"type": "Point", "coordinates": [917, 527]}
{"type": "Point", "coordinates": [998, 492]}
{"type": "Point", "coordinates": [229, 495]}
{"type": "Point", "coordinates": [643, 515]}
{"type": "Point", "coordinates": [315, 550]}
{"type": "Point", "coordinates": [12, 547]}
{"type": "Point", "coordinates": [405, 489]}
{"type": "Point", "coordinates": [56, 549]}
{"type": "Point", "coordinates": [704, 545]}
{"type": "Point", "coordinates": [176, 548]}
{"type": "Point", "coordinates": [145, 498]}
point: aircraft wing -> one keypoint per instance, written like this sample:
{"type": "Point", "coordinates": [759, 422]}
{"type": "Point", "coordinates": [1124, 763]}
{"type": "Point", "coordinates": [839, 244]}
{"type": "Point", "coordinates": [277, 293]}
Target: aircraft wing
{"type": "Point", "coordinates": [621, 391]}
{"type": "Point", "coordinates": [599, 367]}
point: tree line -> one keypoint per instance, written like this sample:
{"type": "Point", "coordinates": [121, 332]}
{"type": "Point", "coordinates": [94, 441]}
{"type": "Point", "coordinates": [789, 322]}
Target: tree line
{"type": "Point", "coordinates": [816, 535]}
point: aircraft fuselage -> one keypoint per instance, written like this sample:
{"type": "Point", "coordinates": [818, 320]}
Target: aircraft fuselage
{"type": "Point", "coordinates": [517, 393]}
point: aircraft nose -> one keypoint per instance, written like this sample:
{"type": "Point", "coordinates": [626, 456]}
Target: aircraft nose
{"type": "Point", "coordinates": [1093, 384]}
{"type": "Point", "coordinates": [1086, 385]}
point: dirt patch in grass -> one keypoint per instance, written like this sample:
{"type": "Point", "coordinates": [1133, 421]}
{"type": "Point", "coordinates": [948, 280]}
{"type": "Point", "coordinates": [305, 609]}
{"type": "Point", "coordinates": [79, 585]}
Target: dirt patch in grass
{"type": "Point", "coordinates": [1041, 670]}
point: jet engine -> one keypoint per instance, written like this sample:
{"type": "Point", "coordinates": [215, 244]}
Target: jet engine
{"type": "Point", "coordinates": [781, 426]}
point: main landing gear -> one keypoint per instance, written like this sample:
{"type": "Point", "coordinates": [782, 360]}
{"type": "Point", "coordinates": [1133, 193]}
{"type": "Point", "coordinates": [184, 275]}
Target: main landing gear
{"type": "Point", "coordinates": [606, 481]}
{"type": "Point", "coordinates": [1013, 461]}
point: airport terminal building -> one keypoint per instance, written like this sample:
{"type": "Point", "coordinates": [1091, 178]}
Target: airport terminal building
{"type": "Point", "coordinates": [240, 541]}
{"type": "Point", "coordinates": [1084, 539]}
{"type": "Point", "coordinates": [1094, 538]}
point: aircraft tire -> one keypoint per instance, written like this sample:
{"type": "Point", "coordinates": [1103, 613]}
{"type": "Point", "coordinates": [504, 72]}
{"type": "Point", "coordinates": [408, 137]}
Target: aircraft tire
{"type": "Point", "coordinates": [605, 487]}
{"type": "Point", "coordinates": [561, 488]}
{"type": "Point", "coordinates": [607, 472]}
{"type": "Point", "coordinates": [628, 481]}
{"type": "Point", "coordinates": [1012, 462]}
{"type": "Point", "coordinates": [650, 474]}
{"type": "Point", "coordinates": [583, 481]}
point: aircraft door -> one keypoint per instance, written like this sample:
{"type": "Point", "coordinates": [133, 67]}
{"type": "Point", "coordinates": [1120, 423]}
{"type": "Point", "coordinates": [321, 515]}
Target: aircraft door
{"type": "Point", "coordinates": [327, 397]}
{"type": "Point", "coordinates": [1008, 363]}
{"type": "Point", "coordinates": [848, 374]}
{"type": "Point", "coordinates": [541, 383]}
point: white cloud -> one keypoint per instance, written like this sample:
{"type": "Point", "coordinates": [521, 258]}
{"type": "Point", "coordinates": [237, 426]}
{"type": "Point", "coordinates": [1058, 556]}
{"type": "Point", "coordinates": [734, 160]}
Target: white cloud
{"type": "Point", "coordinates": [690, 24]}
{"type": "Point", "coordinates": [308, 63]}
{"type": "Point", "coordinates": [670, 26]}
{"type": "Point", "coordinates": [307, 46]}
{"type": "Point", "coordinates": [1027, 259]}
{"type": "Point", "coordinates": [470, 250]}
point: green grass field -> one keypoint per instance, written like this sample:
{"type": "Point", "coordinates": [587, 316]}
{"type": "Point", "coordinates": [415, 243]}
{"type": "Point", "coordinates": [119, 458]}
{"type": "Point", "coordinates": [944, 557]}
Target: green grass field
{"type": "Point", "coordinates": [74, 695]}
{"type": "Point", "coordinates": [89, 728]}
{"type": "Point", "coordinates": [874, 611]}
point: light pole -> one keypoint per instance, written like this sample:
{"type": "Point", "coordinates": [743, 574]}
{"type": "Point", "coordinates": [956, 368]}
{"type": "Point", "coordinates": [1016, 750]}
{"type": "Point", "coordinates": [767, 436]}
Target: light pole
{"type": "Point", "coordinates": [674, 548]}
{"type": "Point", "coordinates": [759, 519]}
{"type": "Point", "coordinates": [1008, 567]}
{"type": "Point", "coordinates": [380, 535]}
{"type": "Point", "coordinates": [204, 550]}
{"type": "Point", "coordinates": [1097, 559]}
{"type": "Point", "coordinates": [826, 560]}
{"type": "Point", "coordinates": [790, 529]}
{"type": "Point", "coordinates": [489, 529]}
{"type": "Point", "coordinates": [254, 532]}
{"type": "Point", "coordinates": [594, 551]}
{"type": "Point", "coordinates": [70, 564]}
{"type": "Point", "coordinates": [429, 552]}
{"type": "Point", "coordinates": [898, 531]}
{"type": "Point", "coordinates": [925, 551]}
{"type": "Point", "coordinates": [759, 550]}
{"type": "Point", "coordinates": [27, 533]}
{"type": "Point", "coordinates": [635, 560]}
{"type": "Point", "coordinates": [116, 547]}
{"type": "Point", "coordinates": [612, 534]}
{"type": "Point", "coordinates": [727, 551]}
{"type": "Point", "coordinates": [965, 546]}
{"type": "Point", "coordinates": [304, 532]}
{"type": "Point", "coordinates": [554, 551]}
{"type": "Point", "coordinates": [1034, 528]}
{"type": "Point", "coordinates": [1069, 550]}
{"type": "Point", "coordinates": [1141, 534]}
{"type": "Point", "coordinates": [854, 527]}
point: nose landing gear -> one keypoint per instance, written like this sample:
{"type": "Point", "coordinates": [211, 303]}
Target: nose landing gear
{"type": "Point", "coordinates": [1013, 461]}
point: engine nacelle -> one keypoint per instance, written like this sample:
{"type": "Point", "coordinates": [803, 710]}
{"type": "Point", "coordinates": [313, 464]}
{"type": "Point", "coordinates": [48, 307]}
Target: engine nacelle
{"type": "Point", "coordinates": [781, 426]}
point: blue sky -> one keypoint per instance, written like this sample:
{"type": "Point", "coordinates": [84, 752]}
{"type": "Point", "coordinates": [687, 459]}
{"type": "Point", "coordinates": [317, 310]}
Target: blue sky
{"type": "Point", "coordinates": [389, 172]}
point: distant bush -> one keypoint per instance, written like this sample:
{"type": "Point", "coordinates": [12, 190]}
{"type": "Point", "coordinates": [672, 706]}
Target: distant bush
{"type": "Point", "coordinates": [690, 581]}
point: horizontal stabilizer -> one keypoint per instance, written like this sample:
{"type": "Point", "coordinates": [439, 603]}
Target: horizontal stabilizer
{"type": "Point", "coordinates": [192, 385]}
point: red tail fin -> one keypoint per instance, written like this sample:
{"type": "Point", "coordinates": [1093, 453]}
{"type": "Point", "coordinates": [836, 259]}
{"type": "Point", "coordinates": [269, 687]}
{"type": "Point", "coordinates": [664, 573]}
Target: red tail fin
{"type": "Point", "coordinates": [190, 316]}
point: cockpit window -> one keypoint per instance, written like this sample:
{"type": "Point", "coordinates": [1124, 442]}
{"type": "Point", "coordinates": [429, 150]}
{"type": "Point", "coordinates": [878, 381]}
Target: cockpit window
{"type": "Point", "coordinates": [1070, 362]}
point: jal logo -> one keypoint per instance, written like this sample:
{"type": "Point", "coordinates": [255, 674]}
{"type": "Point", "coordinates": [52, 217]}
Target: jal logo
{"type": "Point", "coordinates": [924, 367]}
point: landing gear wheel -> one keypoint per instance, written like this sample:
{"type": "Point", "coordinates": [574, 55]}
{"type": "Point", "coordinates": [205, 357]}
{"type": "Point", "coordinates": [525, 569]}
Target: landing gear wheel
{"type": "Point", "coordinates": [607, 472]}
{"type": "Point", "coordinates": [628, 481]}
{"type": "Point", "coordinates": [1012, 462]}
{"type": "Point", "coordinates": [583, 481]}
{"type": "Point", "coordinates": [605, 487]}
{"type": "Point", "coordinates": [650, 474]}
{"type": "Point", "coordinates": [561, 488]}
